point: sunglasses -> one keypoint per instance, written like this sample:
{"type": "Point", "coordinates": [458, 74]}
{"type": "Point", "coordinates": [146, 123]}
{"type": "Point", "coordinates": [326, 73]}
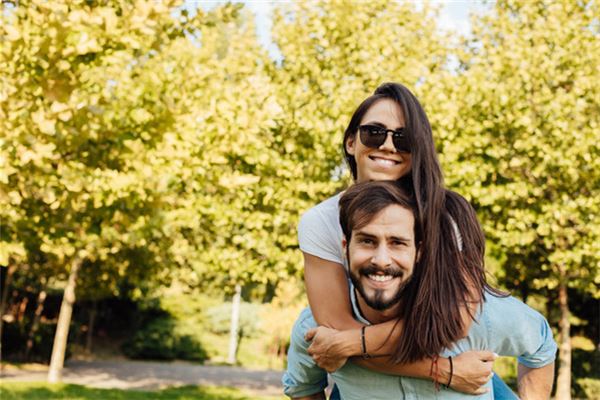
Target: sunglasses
{"type": "Point", "coordinates": [374, 136]}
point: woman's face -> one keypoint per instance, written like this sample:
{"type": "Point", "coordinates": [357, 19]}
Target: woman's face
{"type": "Point", "coordinates": [383, 163]}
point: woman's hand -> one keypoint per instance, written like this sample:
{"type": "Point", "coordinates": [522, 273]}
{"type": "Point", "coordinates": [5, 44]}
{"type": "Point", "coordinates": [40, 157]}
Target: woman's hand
{"type": "Point", "coordinates": [327, 348]}
{"type": "Point", "coordinates": [472, 370]}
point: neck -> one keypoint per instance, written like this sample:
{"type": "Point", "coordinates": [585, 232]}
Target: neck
{"type": "Point", "coordinates": [376, 316]}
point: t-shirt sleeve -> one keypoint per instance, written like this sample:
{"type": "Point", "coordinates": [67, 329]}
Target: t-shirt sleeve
{"type": "Point", "coordinates": [302, 377]}
{"type": "Point", "coordinates": [524, 333]}
{"type": "Point", "coordinates": [545, 353]}
{"type": "Point", "coordinates": [317, 236]}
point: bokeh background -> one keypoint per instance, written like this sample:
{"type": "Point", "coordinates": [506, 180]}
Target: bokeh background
{"type": "Point", "coordinates": [156, 156]}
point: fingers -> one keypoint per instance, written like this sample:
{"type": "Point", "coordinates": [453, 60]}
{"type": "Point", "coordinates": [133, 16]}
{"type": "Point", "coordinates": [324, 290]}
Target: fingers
{"type": "Point", "coordinates": [482, 381]}
{"type": "Point", "coordinates": [310, 334]}
{"type": "Point", "coordinates": [485, 355]}
{"type": "Point", "coordinates": [481, 390]}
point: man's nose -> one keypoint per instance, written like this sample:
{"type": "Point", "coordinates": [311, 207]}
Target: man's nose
{"type": "Point", "coordinates": [381, 257]}
{"type": "Point", "coordinates": [388, 145]}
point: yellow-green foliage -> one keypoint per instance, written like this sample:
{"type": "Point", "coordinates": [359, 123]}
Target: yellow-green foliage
{"type": "Point", "coordinates": [157, 143]}
{"type": "Point", "coordinates": [525, 123]}
{"type": "Point", "coordinates": [87, 101]}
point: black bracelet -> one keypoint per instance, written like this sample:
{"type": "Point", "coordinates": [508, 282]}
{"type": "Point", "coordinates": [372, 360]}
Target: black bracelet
{"type": "Point", "coordinates": [451, 372]}
{"type": "Point", "coordinates": [365, 355]}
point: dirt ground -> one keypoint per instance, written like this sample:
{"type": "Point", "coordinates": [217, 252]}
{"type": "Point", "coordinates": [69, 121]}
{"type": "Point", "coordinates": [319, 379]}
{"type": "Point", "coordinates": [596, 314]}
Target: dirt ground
{"type": "Point", "coordinates": [148, 375]}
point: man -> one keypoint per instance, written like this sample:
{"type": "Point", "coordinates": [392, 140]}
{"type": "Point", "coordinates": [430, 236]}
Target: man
{"type": "Point", "coordinates": [381, 247]}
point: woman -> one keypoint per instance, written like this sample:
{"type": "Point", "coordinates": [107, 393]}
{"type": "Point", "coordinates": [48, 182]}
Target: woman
{"type": "Point", "coordinates": [389, 138]}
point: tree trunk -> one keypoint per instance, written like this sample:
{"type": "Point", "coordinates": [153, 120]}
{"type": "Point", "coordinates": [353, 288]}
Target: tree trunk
{"type": "Point", "coordinates": [563, 382]}
{"type": "Point", "coordinates": [9, 273]}
{"type": "Point", "coordinates": [22, 308]}
{"type": "Point", "coordinates": [36, 321]}
{"type": "Point", "coordinates": [90, 329]}
{"type": "Point", "coordinates": [235, 323]}
{"type": "Point", "coordinates": [62, 328]}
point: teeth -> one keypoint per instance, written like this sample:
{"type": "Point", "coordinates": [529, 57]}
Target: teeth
{"type": "Point", "coordinates": [380, 278]}
{"type": "Point", "coordinates": [384, 161]}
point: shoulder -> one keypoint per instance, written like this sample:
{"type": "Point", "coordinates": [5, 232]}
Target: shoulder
{"type": "Point", "coordinates": [507, 303]}
{"type": "Point", "coordinates": [324, 212]}
{"type": "Point", "coordinates": [319, 231]}
{"type": "Point", "coordinates": [517, 329]}
{"type": "Point", "coordinates": [303, 324]}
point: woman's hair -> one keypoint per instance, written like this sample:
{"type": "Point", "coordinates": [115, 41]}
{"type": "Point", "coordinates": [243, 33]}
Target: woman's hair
{"type": "Point", "coordinates": [451, 271]}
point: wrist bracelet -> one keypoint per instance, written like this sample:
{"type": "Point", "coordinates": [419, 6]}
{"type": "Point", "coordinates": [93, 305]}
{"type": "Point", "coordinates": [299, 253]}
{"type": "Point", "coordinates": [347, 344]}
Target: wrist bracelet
{"type": "Point", "coordinates": [365, 355]}
{"type": "Point", "coordinates": [451, 372]}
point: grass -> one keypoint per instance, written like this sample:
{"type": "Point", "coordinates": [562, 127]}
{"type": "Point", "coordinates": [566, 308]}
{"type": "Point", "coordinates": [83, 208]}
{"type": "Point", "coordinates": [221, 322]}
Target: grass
{"type": "Point", "coordinates": [45, 391]}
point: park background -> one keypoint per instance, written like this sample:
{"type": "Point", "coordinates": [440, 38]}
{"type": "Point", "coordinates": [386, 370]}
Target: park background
{"type": "Point", "coordinates": [156, 156]}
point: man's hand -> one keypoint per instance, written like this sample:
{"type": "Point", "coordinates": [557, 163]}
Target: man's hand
{"type": "Point", "coordinates": [472, 370]}
{"type": "Point", "coordinates": [325, 348]}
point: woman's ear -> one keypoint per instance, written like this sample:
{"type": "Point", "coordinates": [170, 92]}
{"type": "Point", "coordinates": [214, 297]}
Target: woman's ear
{"type": "Point", "coordinates": [350, 144]}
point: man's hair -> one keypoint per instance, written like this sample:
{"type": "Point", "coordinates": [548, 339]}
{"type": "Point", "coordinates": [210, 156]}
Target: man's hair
{"type": "Point", "coordinates": [363, 201]}
{"type": "Point", "coordinates": [451, 272]}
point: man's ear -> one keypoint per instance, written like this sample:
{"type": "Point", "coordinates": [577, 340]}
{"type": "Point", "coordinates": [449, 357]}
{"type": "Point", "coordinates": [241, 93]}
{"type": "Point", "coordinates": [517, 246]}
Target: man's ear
{"type": "Point", "coordinates": [344, 244]}
{"type": "Point", "coordinates": [351, 144]}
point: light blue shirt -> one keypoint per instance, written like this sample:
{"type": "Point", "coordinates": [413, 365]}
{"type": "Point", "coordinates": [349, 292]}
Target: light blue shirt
{"type": "Point", "coordinates": [503, 325]}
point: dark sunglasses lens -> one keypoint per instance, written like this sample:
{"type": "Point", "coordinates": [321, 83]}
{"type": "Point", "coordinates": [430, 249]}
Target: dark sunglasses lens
{"type": "Point", "coordinates": [401, 143]}
{"type": "Point", "coordinates": [372, 136]}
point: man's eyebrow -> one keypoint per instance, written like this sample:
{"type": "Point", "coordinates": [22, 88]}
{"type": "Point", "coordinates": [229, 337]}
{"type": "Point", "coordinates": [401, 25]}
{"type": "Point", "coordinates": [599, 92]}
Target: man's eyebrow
{"type": "Point", "coordinates": [391, 237]}
{"type": "Point", "coordinates": [365, 234]}
{"type": "Point", "coordinates": [400, 238]}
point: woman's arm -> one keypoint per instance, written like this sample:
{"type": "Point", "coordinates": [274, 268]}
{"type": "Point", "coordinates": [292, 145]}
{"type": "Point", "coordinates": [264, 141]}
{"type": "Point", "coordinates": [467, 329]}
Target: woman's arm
{"type": "Point", "coordinates": [327, 290]}
{"type": "Point", "coordinates": [328, 295]}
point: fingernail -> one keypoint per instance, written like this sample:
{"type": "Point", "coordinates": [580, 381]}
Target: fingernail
{"type": "Point", "coordinates": [496, 355]}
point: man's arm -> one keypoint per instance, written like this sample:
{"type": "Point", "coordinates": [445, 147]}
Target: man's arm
{"type": "Point", "coordinates": [303, 379]}
{"type": "Point", "coordinates": [535, 383]}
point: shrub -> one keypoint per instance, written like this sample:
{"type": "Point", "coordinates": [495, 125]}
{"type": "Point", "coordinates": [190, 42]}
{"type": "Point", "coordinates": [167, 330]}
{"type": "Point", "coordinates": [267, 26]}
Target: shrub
{"type": "Point", "coordinates": [219, 318]}
{"type": "Point", "coordinates": [590, 387]}
{"type": "Point", "coordinates": [15, 338]}
{"type": "Point", "coordinates": [162, 340]}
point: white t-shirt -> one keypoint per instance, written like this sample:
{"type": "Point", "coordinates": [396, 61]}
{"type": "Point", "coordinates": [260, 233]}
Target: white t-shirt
{"type": "Point", "coordinates": [320, 233]}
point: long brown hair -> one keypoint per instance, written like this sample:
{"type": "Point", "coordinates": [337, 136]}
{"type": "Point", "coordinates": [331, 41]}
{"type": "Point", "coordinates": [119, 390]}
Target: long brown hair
{"type": "Point", "coordinates": [451, 272]}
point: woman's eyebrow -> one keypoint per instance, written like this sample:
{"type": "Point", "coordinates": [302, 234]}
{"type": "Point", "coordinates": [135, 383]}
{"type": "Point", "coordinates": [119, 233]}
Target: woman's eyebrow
{"type": "Point", "coordinates": [376, 124]}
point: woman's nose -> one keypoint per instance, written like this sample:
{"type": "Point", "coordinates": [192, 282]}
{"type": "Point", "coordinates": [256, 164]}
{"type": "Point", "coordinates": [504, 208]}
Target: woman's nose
{"type": "Point", "coordinates": [388, 145]}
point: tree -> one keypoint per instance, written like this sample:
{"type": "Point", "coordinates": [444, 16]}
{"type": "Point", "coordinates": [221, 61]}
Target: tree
{"type": "Point", "coordinates": [86, 102]}
{"type": "Point", "coordinates": [522, 139]}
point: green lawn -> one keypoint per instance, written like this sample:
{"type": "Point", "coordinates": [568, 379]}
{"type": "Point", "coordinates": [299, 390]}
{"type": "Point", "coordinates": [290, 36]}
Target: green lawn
{"type": "Point", "coordinates": [44, 391]}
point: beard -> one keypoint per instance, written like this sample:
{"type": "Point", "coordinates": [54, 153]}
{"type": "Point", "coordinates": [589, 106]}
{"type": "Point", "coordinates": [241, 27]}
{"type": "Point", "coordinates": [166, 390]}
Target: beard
{"type": "Point", "coordinates": [377, 300]}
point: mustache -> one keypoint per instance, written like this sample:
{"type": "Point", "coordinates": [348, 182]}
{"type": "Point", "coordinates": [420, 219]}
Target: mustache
{"type": "Point", "coordinates": [372, 270]}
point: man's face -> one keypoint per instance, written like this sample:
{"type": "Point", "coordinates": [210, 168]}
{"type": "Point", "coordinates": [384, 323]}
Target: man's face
{"type": "Point", "coordinates": [381, 256]}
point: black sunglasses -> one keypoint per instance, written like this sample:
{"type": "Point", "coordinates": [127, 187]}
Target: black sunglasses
{"type": "Point", "coordinates": [374, 136]}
